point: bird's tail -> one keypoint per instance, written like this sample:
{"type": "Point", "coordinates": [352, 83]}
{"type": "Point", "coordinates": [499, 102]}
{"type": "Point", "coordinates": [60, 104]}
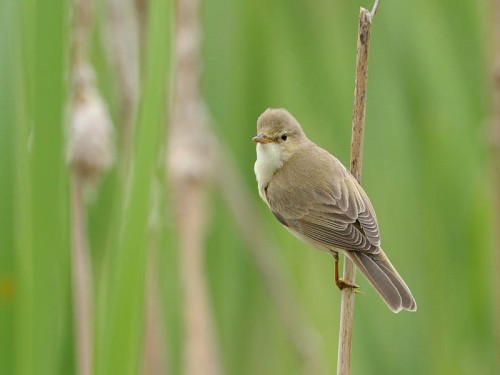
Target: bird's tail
{"type": "Point", "coordinates": [379, 271]}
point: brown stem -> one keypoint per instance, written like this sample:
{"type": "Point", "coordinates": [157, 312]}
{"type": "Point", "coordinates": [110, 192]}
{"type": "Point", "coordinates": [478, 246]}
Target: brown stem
{"type": "Point", "coordinates": [142, 16]}
{"type": "Point", "coordinates": [358, 125]}
{"type": "Point", "coordinates": [200, 354]}
{"type": "Point", "coordinates": [80, 257]}
{"type": "Point", "coordinates": [81, 25]}
{"type": "Point", "coordinates": [155, 360]}
{"type": "Point", "coordinates": [122, 37]}
{"type": "Point", "coordinates": [81, 279]}
{"type": "Point", "coordinates": [190, 165]}
{"type": "Point", "coordinates": [154, 355]}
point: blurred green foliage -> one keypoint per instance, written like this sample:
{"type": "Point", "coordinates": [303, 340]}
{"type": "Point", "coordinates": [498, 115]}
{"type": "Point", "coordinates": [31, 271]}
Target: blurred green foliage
{"type": "Point", "coordinates": [425, 169]}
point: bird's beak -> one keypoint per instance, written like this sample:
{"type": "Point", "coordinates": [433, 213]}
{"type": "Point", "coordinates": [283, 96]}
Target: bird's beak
{"type": "Point", "coordinates": [261, 138]}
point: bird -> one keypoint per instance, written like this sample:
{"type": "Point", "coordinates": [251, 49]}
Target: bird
{"type": "Point", "coordinates": [318, 200]}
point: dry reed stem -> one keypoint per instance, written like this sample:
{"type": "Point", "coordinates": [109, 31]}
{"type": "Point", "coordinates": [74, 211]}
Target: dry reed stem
{"type": "Point", "coordinates": [126, 26]}
{"type": "Point", "coordinates": [155, 348]}
{"type": "Point", "coordinates": [122, 42]}
{"type": "Point", "coordinates": [80, 260]}
{"type": "Point", "coordinates": [494, 138]}
{"type": "Point", "coordinates": [191, 162]}
{"type": "Point", "coordinates": [81, 23]}
{"type": "Point", "coordinates": [142, 7]}
{"type": "Point", "coordinates": [190, 170]}
{"type": "Point", "coordinates": [358, 124]}
{"type": "Point", "coordinates": [81, 279]}
{"type": "Point", "coordinates": [90, 153]}
{"type": "Point", "coordinates": [200, 355]}
{"type": "Point", "coordinates": [155, 351]}
{"type": "Point", "coordinates": [125, 34]}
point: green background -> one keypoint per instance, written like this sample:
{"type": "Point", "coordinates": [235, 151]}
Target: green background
{"type": "Point", "coordinates": [426, 170]}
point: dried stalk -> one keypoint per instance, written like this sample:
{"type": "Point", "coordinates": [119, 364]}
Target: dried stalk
{"type": "Point", "coordinates": [261, 248]}
{"type": "Point", "coordinates": [358, 125]}
{"type": "Point", "coordinates": [81, 24]}
{"type": "Point", "coordinates": [495, 160]}
{"type": "Point", "coordinates": [126, 27]}
{"type": "Point", "coordinates": [80, 258]}
{"type": "Point", "coordinates": [142, 16]}
{"type": "Point", "coordinates": [200, 353]}
{"type": "Point", "coordinates": [81, 279]}
{"type": "Point", "coordinates": [154, 354]}
{"type": "Point", "coordinates": [122, 45]}
{"type": "Point", "coordinates": [190, 170]}
{"type": "Point", "coordinates": [189, 144]}
{"type": "Point", "coordinates": [90, 152]}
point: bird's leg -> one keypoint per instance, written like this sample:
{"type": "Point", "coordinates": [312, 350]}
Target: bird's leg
{"type": "Point", "coordinates": [341, 284]}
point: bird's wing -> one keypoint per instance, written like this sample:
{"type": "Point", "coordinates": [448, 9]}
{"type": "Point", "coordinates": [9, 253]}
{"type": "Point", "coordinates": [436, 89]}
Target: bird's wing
{"type": "Point", "coordinates": [325, 203]}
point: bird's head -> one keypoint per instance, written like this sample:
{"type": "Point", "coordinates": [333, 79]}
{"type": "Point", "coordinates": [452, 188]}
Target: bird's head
{"type": "Point", "coordinates": [278, 132]}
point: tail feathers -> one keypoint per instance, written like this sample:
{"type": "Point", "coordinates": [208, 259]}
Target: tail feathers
{"type": "Point", "coordinates": [379, 271]}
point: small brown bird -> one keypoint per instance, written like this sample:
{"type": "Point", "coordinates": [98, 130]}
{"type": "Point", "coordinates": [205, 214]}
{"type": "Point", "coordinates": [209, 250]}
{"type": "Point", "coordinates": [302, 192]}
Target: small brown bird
{"type": "Point", "coordinates": [317, 199]}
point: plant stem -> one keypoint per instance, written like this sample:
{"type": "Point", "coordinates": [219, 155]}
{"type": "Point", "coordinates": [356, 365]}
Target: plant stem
{"type": "Point", "coordinates": [190, 172]}
{"type": "Point", "coordinates": [80, 257]}
{"type": "Point", "coordinates": [82, 279]}
{"type": "Point", "coordinates": [358, 125]}
{"type": "Point", "coordinates": [122, 47]}
{"type": "Point", "coordinates": [154, 360]}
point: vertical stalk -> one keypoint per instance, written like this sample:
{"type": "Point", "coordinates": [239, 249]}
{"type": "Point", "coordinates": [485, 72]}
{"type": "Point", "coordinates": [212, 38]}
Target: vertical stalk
{"type": "Point", "coordinates": [122, 42]}
{"type": "Point", "coordinates": [81, 274]}
{"type": "Point", "coordinates": [154, 355]}
{"type": "Point", "coordinates": [81, 278]}
{"type": "Point", "coordinates": [358, 126]}
{"type": "Point", "coordinates": [190, 170]}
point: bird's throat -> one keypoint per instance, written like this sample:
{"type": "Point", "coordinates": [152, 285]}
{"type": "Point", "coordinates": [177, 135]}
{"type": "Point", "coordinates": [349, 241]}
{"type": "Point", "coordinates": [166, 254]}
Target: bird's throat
{"type": "Point", "coordinates": [269, 160]}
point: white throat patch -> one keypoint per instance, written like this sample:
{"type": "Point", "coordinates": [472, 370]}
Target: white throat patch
{"type": "Point", "coordinates": [269, 160]}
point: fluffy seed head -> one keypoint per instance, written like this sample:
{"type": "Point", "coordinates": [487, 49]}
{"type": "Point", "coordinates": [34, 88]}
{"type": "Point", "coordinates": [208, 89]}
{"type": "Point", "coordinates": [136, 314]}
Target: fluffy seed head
{"type": "Point", "coordinates": [90, 140]}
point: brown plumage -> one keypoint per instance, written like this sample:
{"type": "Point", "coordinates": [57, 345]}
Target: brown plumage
{"type": "Point", "coordinates": [317, 199]}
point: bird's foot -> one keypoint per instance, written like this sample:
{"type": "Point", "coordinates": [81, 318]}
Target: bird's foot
{"type": "Point", "coordinates": [342, 284]}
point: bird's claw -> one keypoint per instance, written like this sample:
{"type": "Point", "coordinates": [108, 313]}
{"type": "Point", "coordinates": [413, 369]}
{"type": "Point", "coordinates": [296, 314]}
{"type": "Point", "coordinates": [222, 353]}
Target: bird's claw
{"type": "Point", "coordinates": [342, 284]}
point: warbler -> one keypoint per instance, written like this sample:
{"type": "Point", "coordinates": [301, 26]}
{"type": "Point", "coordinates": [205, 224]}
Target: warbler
{"type": "Point", "coordinates": [317, 199]}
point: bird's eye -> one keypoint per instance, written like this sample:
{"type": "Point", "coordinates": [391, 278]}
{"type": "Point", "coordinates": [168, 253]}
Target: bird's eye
{"type": "Point", "coordinates": [284, 137]}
